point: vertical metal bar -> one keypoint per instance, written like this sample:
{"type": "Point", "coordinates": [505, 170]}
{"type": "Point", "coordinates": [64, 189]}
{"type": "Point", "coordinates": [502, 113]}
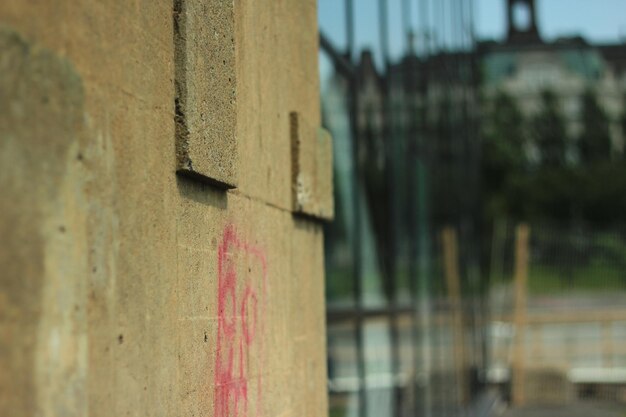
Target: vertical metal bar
{"type": "Point", "coordinates": [437, 26]}
{"type": "Point", "coordinates": [406, 26]}
{"type": "Point", "coordinates": [390, 255]}
{"type": "Point", "coordinates": [383, 31]}
{"type": "Point", "coordinates": [421, 227]}
{"type": "Point", "coordinates": [353, 86]}
{"type": "Point", "coordinates": [521, 284]}
{"type": "Point", "coordinates": [473, 130]}
{"type": "Point", "coordinates": [349, 10]}
{"type": "Point", "coordinates": [461, 162]}
{"type": "Point", "coordinates": [449, 148]}
{"type": "Point", "coordinates": [411, 138]}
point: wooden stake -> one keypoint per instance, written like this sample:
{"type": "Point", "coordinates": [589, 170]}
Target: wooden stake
{"type": "Point", "coordinates": [521, 288]}
{"type": "Point", "coordinates": [607, 343]}
{"type": "Point", "coordinates": [453, 285]}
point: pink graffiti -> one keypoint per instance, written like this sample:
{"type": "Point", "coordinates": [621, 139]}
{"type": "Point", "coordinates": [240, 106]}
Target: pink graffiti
{"type": "Point", "coordinates": [238, 335]}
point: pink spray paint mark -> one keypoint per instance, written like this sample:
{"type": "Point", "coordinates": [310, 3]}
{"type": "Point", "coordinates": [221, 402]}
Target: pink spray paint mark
{"type": "Point", "coordinates": [240, 324]}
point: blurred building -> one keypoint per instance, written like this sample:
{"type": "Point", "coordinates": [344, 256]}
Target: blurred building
{"type": "Point", "coordinates": [524, 65]}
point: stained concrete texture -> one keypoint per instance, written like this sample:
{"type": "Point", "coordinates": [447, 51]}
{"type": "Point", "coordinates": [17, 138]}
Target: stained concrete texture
{"type": "Point", "coordinates": [43, 253]}
{"type": "Point", "coordinates": [277, 49]}
{"type": "Point", "coordinates": [312, 169]}
{"type": "Point", "coordinates": [129, 290]}
{"type": "Point", "coordinates": [205, 79]}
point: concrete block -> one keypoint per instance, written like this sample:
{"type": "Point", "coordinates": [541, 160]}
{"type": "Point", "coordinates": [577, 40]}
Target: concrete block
{"type": "Point", "coordinates": [205, 78]}
{"type": "Point", "coordinates": [312, 169]}
{"type": "Point", "coordinates": [278, 73]}
{"type": "Point", "coordinates": [250, 266]}
{"type": "Point", "coordinates": [309, 350]}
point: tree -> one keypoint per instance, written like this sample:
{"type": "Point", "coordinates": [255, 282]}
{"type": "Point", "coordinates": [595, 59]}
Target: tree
{"type": "Point", "coordinates": [503, 155]}
{"type": "Point", "coordinates": [549, 131]}
{"type": "Point", "coordinates": [595, 139]}
{"type": "Point", "coordinates": [623, 120]}
{"type": "Point", "coordinates": [445, 164]}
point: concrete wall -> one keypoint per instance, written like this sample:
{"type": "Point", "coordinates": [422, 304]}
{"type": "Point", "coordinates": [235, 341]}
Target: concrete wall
{"type": "Point", "coordinates": [127, 289]}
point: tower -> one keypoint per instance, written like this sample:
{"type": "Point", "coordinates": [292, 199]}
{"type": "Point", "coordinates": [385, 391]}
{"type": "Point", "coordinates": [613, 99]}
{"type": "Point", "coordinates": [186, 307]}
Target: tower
{"type": "Point", "coordinates": [522, 21]}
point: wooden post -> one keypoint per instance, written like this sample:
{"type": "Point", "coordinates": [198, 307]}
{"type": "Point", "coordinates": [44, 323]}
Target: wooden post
{"type": "Point", "coordinates": [607, 343]}
{"type": "Point", "coordinates": [521, 287]}
{"type": "Point", "coordinates": [537, 340]}
{"type": "Point", "coordinates": [453, 286]}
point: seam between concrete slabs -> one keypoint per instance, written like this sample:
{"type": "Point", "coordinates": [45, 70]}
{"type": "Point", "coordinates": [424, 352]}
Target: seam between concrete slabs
{"type": "Point", "coordinates": [258, 200]}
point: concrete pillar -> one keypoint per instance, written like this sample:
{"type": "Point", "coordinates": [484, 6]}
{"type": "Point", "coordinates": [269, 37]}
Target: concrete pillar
{"type": "Point", "coordinates": [128, 288]}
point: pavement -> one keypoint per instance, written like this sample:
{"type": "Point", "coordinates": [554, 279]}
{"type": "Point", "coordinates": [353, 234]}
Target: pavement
{"type": "Point", "coordinates": [582, 409]}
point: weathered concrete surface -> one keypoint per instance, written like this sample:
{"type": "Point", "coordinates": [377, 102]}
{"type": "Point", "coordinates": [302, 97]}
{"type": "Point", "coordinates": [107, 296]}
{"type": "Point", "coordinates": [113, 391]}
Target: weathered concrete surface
{"type": "Point", "coordinates": [111, 297]}
{"type": "Point", "coordinates": [42, 261]}
{"type": "Point", "coordinates": [277, 74]}
{"type": "Point", "coordinates": [205, 79]}
{"type": "Point", "coordinates": [312, 173]}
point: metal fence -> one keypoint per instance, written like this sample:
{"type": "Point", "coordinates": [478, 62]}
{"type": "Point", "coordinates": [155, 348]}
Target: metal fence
{"type": "Point", "coordinates": [561, 326]}
{"type": "Point", "coordinates": [403, 287]}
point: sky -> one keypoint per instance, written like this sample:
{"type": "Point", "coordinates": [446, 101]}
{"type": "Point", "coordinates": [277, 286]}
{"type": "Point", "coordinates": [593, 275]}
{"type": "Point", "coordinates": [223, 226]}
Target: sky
{"type": "Point", "coordinates": [597, 20]}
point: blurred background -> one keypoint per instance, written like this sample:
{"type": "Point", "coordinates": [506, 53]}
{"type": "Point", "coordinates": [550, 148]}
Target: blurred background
{"type": "Point", "coordinates": [477, 263]}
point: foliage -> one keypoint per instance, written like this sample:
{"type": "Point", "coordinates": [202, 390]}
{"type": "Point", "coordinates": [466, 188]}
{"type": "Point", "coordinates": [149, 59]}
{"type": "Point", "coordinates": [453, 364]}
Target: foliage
{"type": "Point", "coordinates": [543, 194]}
{"type": "Point", "coordinates": [595, 139]}
{"type": "Point", "coordinates": [503, 156]}
{"type": "Point", "coordinates": [623, 117]}
{"type": "Point", "coordinates": [590, 278]}
{"type": "Point", "coordinates": [577, 261]}
{"type": "Point", "coordinates": [447, 163]}
{"type": "Point", "coordinates": [549, 133]}
{"type": "Point", "coordinates": [592, 192]}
